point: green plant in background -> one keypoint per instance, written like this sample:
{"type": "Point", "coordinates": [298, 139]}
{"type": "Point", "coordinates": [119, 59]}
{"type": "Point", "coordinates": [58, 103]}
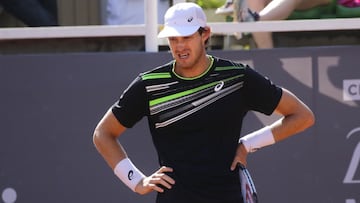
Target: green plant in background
{"type": "Point", "coordinates": [209, 4]}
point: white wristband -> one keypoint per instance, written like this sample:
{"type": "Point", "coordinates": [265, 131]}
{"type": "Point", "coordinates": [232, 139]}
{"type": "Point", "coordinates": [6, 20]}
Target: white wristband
{"type": "Point", "coordinates": [258, 139]}
{"type": "Point", "coordinates": [128, 173]}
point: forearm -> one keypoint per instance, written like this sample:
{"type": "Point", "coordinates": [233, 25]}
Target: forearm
{"type": "Point", "coordinates": [278, 9]}
{"type": "Point", "coordinates": [290, 125]}
{"type": "Point", "coordinates": [109, 148]}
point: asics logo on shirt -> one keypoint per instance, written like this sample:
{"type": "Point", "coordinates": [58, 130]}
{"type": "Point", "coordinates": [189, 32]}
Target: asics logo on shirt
{"type": "Point", "coordinates": [219, 86]}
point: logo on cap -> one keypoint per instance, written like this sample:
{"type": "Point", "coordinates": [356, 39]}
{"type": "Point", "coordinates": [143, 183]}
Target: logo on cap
{"type": "Point", "coordinates": [190, 19]}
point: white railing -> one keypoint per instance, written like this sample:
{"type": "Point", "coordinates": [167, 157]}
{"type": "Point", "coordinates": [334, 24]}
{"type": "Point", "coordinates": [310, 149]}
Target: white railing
{"type": "Point", "coordinates": [288, 25]}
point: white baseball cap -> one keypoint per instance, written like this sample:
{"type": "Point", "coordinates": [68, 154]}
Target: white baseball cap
{"type": "Point", "coordinates": [183, 19]}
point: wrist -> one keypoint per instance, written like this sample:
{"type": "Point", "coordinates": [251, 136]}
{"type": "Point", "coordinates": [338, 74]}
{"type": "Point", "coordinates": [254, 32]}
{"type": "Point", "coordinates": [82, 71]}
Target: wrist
{"type": "Point", "coordinates": [127, 172]}
{"type": "Point", "coordinates": [258, 139]}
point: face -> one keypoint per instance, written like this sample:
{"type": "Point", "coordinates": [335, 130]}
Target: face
{"type": "Point", "coordinates": [189, 51]}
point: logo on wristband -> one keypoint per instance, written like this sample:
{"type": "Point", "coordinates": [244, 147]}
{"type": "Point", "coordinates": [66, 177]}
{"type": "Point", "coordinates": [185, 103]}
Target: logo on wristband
{"type": "Point", "coordinates": [130, 175]}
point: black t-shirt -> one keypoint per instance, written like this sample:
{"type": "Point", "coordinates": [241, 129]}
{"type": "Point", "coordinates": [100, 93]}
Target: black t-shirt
{"type": "Point", "coordinates": [195, 123]}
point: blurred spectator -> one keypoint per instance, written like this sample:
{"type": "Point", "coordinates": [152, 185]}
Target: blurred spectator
{"type": "Point", "coordinates": [119, 12]}
{"type": "Point", "coordinates": [254, 10]}
{"type": "Point", "coordinates": [33, 13]}
{"type": "Point", "coordinates": [226, 9]}
{"type": "Point", "coordinates": [349, 3]}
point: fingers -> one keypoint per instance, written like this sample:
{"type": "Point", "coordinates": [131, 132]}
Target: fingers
{"type": "Point", "coordinates": [162, 180]}
{"type": "Point", "coordinates": [240, 157]}
{"type": "Point", "coordinates": [165, 169]}
{"type": "Point", "coordinates": [159, 180]}
{"type": "Point", "coordinates": [234, 164]}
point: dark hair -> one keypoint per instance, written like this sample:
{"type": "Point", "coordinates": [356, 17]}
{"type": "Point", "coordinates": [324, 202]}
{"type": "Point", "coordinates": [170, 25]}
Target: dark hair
{"type": "Point", "coordinates": [200, 31]}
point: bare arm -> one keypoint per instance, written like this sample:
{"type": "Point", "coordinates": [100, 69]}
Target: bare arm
{"type": "Point", "coordinates": [105, 139]}
{"type": "Point", "coordinates": [106, 142]}
{"type": "Point", "coordinates": [296, 117]}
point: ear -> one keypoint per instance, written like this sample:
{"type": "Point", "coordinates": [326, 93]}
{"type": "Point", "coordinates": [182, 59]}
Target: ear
{"type": "Point", "coordinates": [207, 33]}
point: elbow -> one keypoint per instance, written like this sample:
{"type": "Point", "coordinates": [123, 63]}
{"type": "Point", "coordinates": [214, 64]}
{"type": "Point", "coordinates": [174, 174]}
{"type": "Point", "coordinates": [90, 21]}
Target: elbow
{"type": "Point", "coordinates": [97, 137]}
{"type": "Point", "coordinates": [102, 136]}
{"type": "Point", "coordinates": [309, 119]}
{"type": "Point", "coordinates": [99, 140]}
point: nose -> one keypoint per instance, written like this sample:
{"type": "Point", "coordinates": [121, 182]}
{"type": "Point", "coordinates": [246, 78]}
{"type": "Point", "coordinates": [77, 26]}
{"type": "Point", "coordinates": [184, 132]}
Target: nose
{"type": "Point", "coordinates": [180, 44]}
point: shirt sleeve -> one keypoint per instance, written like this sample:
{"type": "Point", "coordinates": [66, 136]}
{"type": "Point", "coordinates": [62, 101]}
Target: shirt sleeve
{"type": "Point", "coordinates": [261, 94]}
{"type": "Point", "coordinates": [131, 106]}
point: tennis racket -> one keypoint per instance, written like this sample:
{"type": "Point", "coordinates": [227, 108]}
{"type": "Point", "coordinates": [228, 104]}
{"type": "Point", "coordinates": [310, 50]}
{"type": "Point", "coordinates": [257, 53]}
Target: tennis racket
{"type": "Point", "coordinates": [247, 186]}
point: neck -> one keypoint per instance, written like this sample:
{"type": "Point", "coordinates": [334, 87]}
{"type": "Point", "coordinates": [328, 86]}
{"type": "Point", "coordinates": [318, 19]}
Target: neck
{"type": "Point", "coordinates": [199, 68]}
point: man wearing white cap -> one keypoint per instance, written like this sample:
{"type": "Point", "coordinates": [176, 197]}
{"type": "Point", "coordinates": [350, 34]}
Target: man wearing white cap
{"type": "Point", "coordinates": [195, 105]}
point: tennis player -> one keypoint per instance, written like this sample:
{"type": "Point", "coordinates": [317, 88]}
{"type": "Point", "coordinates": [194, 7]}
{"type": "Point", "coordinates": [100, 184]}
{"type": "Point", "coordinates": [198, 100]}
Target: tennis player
{"type": "Point", "coordinates": [195, 106]}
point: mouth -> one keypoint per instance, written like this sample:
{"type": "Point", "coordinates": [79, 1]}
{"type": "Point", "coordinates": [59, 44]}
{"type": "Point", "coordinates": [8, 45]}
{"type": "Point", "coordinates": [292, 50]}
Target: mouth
{"type": "Point", "coordinates": [183, 56]}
